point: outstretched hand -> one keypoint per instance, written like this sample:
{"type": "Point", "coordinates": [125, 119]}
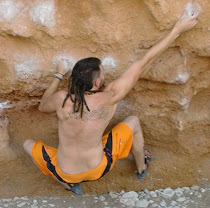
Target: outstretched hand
{"type": "Point", "coordinates": [188, 18]}
{"type": "Point", "coordinates": [63, 66]}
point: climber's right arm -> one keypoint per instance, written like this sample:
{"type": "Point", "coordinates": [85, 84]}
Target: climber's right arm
{"type": "Point", "coordinates": [51, 98]}
{"type": "Point", "coordinates": [121, 86]}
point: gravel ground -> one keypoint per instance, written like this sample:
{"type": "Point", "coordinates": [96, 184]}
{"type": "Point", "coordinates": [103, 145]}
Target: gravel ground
{"type": "Point", "coordinates": [185, 197]}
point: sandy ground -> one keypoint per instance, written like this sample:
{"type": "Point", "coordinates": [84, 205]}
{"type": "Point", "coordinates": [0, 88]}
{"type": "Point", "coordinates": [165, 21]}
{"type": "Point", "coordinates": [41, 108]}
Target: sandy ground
{"type": "Point", "coordinates": [185, 197]}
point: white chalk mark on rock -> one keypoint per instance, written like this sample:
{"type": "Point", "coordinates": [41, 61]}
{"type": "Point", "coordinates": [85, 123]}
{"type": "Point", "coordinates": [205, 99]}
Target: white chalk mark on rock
{"type": "Point", "coordinates": [180, 126]}
{"type": "Point", "coordinates": [44, 13]}
{"type": "Point", "coordinates": [27, 69]}
{"type": "Point", "coordinates": [191, 9]}
{"type": "Point", "coordinates": [108, 62]}
{"type": "Point", "coordinates": [109, 65]}
{"type": "Point", "coordinates": [9, 9]}
{"type": "Point", "coordinates": [182, 77]}
{"type": "Point", "coordinates": [5, 105]}
{"type": "Point", "coordinates": [184, 101]}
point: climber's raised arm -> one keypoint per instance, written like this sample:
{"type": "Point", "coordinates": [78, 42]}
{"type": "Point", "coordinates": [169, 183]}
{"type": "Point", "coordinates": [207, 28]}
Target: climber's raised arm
{"type": "Point", "coordinates": [121, 86]}
{"type": "Point", "coordinates": [52, 97]}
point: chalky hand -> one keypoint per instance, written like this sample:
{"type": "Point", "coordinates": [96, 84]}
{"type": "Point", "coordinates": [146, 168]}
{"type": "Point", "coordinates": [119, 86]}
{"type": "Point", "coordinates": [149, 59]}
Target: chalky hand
{"type": "Point", "coordinates": [63, 66]}
{"type": "Point", "coordinates": [188, 18]}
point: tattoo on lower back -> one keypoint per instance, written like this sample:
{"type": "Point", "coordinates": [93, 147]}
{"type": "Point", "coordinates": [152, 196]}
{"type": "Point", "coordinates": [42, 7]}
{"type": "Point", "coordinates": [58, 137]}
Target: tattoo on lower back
{"type": "Point", "coordinates": [100, 113]}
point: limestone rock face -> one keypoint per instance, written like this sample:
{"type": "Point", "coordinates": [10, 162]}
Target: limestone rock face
{"type": "Point", "coordinates": [6, 152]}
{"type": "Point", "coordinates": [171, 99]}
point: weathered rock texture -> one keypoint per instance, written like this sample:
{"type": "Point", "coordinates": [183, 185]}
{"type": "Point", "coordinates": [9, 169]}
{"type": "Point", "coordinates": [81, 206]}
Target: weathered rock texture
{"type": "Point", "coordinates": [6, 152]}
{"type": "Point", "coordinates": [171, 99]}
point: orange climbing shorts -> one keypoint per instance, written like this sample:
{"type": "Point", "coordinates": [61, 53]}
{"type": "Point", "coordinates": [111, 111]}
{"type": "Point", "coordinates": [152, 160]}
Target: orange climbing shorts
{"type": "Point", "coordinates": [122, 139]}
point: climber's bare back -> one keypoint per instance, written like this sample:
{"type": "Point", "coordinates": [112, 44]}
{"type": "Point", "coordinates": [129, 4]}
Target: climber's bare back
{"type": "Point", "coordinates": [80, 145]}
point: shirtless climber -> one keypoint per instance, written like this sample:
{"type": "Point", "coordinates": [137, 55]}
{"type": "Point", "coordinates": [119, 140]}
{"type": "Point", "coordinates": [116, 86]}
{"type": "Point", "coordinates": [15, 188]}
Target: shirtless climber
{"type": "Point", "coordinates": [84, 152]}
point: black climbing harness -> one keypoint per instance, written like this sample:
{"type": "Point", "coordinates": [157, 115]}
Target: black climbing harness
{"type": "Point", "coordinates": [77, 188]}
{"type": "Point", "coordinates": [108, 152]}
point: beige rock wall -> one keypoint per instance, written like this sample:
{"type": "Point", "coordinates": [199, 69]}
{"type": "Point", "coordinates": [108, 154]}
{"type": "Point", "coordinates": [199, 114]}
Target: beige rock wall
{"type": "Point", "coordinates": [171, 99]}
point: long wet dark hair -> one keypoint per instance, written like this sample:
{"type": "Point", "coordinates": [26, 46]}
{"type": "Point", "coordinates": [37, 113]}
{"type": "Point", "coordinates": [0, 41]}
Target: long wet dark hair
{"type": "Point", "coordinates": [83, 74]}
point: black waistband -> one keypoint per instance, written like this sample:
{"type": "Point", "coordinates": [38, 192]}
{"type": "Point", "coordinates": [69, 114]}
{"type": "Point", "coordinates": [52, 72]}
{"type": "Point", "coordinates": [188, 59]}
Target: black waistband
{"type": "Point", "coordinates": [107, 150]}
